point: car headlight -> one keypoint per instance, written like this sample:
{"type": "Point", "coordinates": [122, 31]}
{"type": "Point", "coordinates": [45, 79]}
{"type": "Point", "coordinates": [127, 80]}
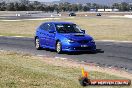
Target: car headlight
{"type": "Point", "coordinates": [92, 40]}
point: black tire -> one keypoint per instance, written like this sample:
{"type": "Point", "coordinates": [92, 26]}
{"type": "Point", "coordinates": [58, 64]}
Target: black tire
{"type": "Point", "coordinates": [58, 47]}
{"type": "Point", "coordinates": [85, 82]}
{"type": "Point", "coordinates": [37, 43]}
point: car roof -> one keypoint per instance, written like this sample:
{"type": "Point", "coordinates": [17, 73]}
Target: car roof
{"type": "Point", "coordinates": [60, 22]}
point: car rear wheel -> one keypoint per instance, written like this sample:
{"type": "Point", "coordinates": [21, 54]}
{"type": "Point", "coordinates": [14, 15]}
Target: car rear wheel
{"type": "Point", "coordinates": [59, 47]}
{"type": "Point", "coordinates": [37, 44]}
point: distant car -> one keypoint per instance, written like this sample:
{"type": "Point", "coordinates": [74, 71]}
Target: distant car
{"type": "Point", "coordinates": [98, 14]}
{"type": "Point", "coordinates": [63, 36]}
{"type": "Point", "coordinates": [72, 14]}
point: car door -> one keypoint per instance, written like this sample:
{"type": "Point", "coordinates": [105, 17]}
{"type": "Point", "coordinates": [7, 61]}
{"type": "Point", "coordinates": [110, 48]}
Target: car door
{"type": "Point", "coordinates": [43, 34]}
{"type": "Point", "coordinates": [51, 36]}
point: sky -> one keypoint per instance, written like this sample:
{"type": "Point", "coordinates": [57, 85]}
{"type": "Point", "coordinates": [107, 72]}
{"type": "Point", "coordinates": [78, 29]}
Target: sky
{"type": "Point", "coordinates": [45, 0]}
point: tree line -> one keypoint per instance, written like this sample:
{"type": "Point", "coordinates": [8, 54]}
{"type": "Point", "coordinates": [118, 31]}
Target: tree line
{"type": "Point", "coordinates": [26, 5]}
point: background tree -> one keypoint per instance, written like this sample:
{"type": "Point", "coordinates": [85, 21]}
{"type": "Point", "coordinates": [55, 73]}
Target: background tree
{"type": "Point", "coordinates": [115, 6]}
{"type": "Point", "coordinates": [124, 6]}
{"type": "Point", "coordinates": [16, 6]}
{"type": "Point", "coordinates": [74, 7]}
{"type": "Point", "coordinates": [85, 8]}
{"type": "Point", "coordinates": [25, 5]}
{"type": "Point", "coordinates": [80, 7]}
{"type": "Point", "coordinates": [2, 6]}
{"type": "Point", "coordinates": [25, 2]}
{"type": "Point", "coordinates": [10, 7]}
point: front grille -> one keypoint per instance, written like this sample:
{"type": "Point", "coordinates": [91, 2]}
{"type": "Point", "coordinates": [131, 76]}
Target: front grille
{"type": "Point", "coordinates": [83, 41]}
{"type": "Point", "coordinates": [82, 48]}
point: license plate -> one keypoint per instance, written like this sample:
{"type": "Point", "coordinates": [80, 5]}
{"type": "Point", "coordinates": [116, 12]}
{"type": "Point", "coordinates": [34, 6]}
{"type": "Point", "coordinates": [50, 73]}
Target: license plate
{"type": "Point", "coordinates": [84, 45]}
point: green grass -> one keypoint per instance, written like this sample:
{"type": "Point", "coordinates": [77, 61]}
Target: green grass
{"type": "Point", "coordinates": [26, 71]}
{"type": "Point", "coordinates": [99, 28]}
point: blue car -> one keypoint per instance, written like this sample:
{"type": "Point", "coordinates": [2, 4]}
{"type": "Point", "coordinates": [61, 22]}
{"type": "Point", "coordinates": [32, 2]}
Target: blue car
{"type": "Point", "coordinates": [63, 36]}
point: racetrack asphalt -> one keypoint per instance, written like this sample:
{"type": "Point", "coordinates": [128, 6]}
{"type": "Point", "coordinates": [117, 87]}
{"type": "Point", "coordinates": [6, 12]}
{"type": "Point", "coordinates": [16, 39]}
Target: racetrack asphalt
{"type": "Point", "coordinates": [111, 54]}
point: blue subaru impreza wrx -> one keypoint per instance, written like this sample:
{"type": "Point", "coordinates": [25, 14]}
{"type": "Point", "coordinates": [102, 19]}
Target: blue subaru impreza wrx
{"type": "Point", "coordinates": [63, 36]}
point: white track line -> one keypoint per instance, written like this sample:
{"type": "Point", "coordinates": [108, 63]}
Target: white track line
{"type": "Point", "coordinates": [61, 58]}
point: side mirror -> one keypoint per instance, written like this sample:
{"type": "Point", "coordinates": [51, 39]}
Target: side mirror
{"type": "Point", "coordinates": [51, 31]}
{"type": "Point", "coordinates": [83, 31]}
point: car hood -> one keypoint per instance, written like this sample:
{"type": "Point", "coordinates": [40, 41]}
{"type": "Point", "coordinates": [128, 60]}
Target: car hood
{"type": "Point", "coordinates": [77, 36]}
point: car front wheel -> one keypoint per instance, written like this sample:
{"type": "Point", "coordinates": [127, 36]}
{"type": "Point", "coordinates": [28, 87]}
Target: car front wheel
{"type": "Point", "coordinates": [37, 44]}
{"type": "Point", "coordinates": [59, 47]}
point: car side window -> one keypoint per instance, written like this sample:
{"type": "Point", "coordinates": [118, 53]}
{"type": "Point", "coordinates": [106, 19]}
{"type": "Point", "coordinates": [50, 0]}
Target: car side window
{"type": "Point", "coordinates": [47, 26]}
{"type": "Point", "coordinates": [51, 26]}
{"type": "Point", "coordinates": [44, 26]}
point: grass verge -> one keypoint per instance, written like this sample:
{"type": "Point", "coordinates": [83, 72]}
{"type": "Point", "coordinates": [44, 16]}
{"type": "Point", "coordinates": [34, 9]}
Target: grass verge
{"type": "Point", "coordinates": [99, 28]}
{"type": "Point", "coordinates": [26, 71]}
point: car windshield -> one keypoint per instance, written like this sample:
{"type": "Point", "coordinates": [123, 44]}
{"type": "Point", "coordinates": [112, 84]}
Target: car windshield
{"type": "Point", "coordinates": [68, 28]}
{"type": "Point", "coordinates": [72, 13]}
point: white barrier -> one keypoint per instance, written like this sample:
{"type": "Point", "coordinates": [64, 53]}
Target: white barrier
{"type": "Point", "coordinates": [128, 16]}
{"type": "Point", "coordinates": [18, 14]}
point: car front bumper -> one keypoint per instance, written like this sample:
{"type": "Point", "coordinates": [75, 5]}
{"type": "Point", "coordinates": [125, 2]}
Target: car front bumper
{"type": "Point", "coordinates": [79, 47]}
